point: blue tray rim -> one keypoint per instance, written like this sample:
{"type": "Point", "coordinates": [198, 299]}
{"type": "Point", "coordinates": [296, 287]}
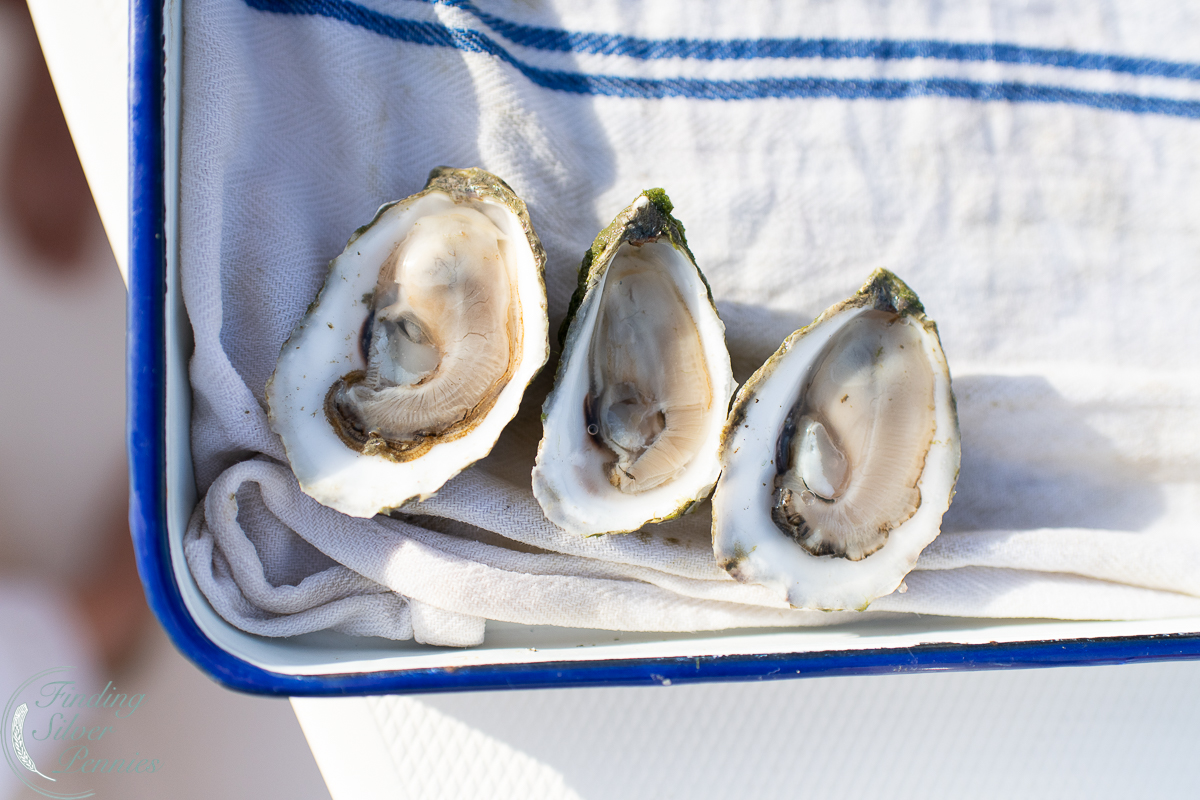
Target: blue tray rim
{"type": "Point", "coordinates": [146, 441]}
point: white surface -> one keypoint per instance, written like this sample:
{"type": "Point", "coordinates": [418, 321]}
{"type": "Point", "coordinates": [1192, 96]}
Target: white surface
{"type": "Point", "coordinates": [370, 748]}
{"type": "Point", "coordinates": [1085, 732]}
{"type": "Point", "coordinates": [87, 49]}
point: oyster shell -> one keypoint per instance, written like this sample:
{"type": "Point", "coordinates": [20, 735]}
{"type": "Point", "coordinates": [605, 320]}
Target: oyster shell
{"type": "Point", "coordinates": [632, 426]}
{"type": "Point", "coordinates": [840, 454]}
{"type": "Point", "coordinates": [418, 348]}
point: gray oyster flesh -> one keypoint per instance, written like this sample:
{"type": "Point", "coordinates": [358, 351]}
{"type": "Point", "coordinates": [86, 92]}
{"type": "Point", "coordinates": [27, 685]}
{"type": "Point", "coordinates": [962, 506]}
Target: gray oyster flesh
{"type": "Point", "coordinates": [649, 391]}
{"type": "Point", "coordinates": [438, 341]}
{"type": "Point", "coordinates": [854, 446]}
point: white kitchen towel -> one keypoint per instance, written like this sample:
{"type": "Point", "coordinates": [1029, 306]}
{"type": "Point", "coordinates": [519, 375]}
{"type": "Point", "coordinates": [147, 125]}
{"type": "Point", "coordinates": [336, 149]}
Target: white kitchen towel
{"type": "Point", "coordinates": [1031, 171]}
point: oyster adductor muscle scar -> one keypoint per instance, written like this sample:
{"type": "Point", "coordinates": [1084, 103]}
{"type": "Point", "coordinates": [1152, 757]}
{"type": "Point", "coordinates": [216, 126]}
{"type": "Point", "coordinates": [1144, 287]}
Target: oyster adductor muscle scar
{"type": "Point", "coordinates": [632, 426]}
{"type": "Point", "coordinates": [840, 454]}
{"type": "Point", "coordinates": [418, 349]}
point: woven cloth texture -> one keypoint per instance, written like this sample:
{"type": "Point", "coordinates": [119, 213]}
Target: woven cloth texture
{"type": "Point", "coordinates": [1033, 173]}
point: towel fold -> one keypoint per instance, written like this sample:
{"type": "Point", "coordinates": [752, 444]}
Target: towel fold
{"type": "Point", "coordinates": [1034, 174]}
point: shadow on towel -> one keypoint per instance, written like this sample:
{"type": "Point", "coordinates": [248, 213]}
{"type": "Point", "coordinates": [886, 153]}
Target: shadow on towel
{"type": "Point", "coordinates": [753, 333]}
{"type": "Point", "coordinates": [1030, 461]}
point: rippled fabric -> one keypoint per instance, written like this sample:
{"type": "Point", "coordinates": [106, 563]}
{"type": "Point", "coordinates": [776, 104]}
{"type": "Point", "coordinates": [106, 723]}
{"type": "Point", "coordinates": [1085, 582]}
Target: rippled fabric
{"type": "Point", "coordinates": [1032, 173]}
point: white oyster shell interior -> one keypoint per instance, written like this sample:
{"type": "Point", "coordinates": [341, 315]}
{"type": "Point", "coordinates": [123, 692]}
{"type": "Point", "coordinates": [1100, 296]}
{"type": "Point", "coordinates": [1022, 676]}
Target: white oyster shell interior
{"type": "Point", "coordinates": [650, 389]}
{"type": "Point", "coordinates": [633, 425]}
{"type": "Point", "coordinates": [853, 448]}
{"type": "Point", "coordinates": [840, 460]}
{"type": "Point", "coordinates": [442, 334]}
{"type": "Point", "coordinates": [429, 327]}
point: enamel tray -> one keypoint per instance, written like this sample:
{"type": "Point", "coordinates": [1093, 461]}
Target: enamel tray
{"type": "Point", "coordinates": [163, 495]}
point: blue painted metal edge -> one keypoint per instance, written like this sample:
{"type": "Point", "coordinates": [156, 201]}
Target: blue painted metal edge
{"type": "Point", "coordinates": [146, 420]}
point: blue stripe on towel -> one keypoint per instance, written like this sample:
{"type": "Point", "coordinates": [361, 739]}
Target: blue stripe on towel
{"type": "Point", "coordinates": [610, 44]}
{"type": "Point", "coordinates": [429, 33]}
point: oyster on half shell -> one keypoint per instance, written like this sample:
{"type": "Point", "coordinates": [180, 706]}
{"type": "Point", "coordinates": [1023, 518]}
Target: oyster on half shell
{"type": "Point", "coordinates": [418, 348]}
{"type": "Point", "coordinates": [632, 426]}
{"type": "Point", "coordinates": [840, 454]}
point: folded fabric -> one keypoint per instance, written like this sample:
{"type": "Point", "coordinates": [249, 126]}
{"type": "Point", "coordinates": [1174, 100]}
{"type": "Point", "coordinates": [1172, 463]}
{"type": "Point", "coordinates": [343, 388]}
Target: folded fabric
{"type": "Point", "coordinates": [1033, 174]}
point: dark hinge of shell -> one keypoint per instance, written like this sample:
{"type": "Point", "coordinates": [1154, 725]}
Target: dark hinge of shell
{"type": "Point", "coordinates": [794, 525]}
{"type": "Point", "coordinates": [637, 240]}
{"type": "Point", "coordinates": [797, 528]}
{"type": "Point", "coordinates": [783, 445]}
{"type": "Point", "coordinates": [367, 442]}
{"type": "Point", "coordinates": [589, 416]}
{"type": "Point", "coordinates": [364, 336]}
{"type": "Point", "coordinates": [593, 431]}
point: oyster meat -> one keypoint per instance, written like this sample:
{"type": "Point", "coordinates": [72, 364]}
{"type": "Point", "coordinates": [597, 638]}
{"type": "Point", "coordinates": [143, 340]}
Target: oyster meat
{"type": "Point", "coordinates": [632, 427]}
{"type": "Point", "coordinates": [840, 454]}
{"type": "Point", "coordinates": [418, 349]}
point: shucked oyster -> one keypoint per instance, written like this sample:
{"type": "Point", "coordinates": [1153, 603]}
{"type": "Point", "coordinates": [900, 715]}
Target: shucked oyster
{"type": "Point", "coordinates": [418, 349]}
{"type": "Point", "coordinates": [840, 454]}
{"type": "Point", "coordinates": [633, 423]}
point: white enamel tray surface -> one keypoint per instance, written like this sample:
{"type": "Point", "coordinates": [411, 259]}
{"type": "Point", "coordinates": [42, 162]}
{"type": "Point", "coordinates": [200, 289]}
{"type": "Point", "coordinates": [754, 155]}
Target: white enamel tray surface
{"type": "Point", "coordinates": [331, 660]}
